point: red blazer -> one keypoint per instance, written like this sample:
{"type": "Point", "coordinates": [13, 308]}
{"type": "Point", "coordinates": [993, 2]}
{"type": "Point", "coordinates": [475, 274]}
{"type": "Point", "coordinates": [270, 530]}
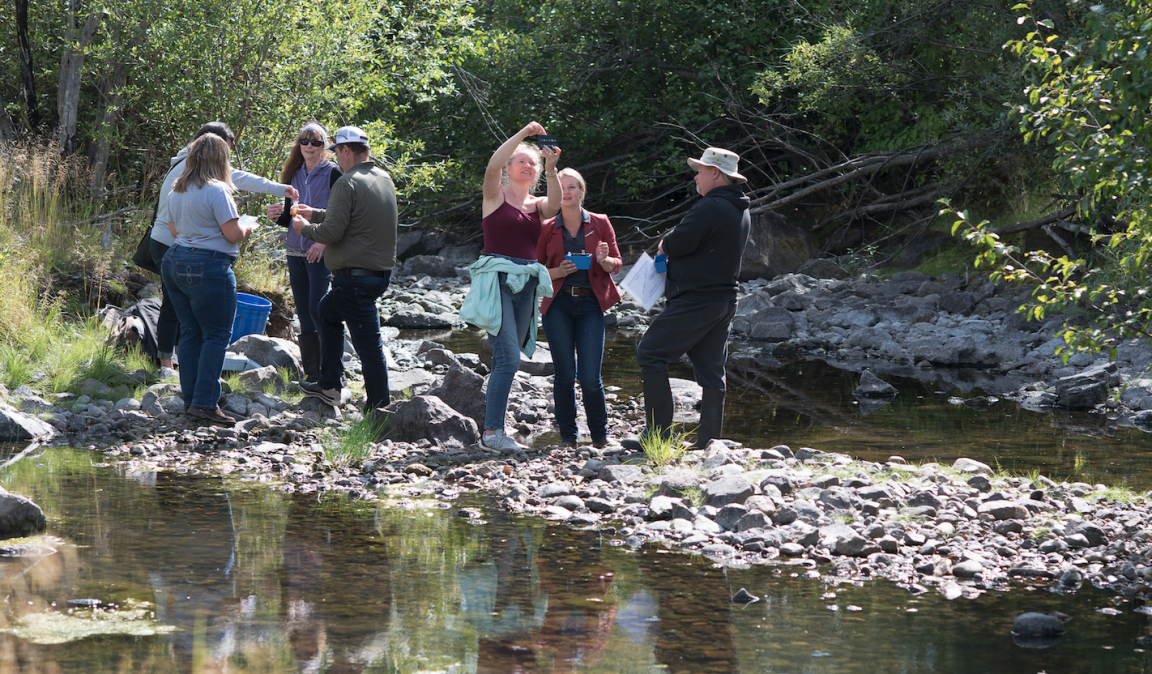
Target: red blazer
{"type": "Point", "coordinates": [550, 253]}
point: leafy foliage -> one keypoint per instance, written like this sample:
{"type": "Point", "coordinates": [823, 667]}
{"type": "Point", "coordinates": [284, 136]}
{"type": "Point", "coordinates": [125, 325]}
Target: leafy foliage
{"type": "Point", "coordinates": [1091, 104]}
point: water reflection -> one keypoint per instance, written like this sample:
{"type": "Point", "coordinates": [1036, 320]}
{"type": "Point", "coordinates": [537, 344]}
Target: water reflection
{"type": "Point", "coordinates": [262, 582]}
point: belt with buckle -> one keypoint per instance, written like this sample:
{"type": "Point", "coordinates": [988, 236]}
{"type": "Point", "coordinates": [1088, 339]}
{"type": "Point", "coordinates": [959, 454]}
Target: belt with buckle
{"type": "Point", "coordinates": [352, 271]}
{"type": "Point", "coordinates": [577, 292]}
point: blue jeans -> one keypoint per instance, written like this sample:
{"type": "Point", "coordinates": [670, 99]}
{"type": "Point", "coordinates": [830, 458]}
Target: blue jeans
{"type": "Point", "coordinates": [575, 330]}
{"type": "Point", "coordinates": [203, 291]}
{"type": "Point", "coordinates": [167, 326]}
{"type": "Point", "coordinates": [352, 300]}
{"type": "Point", "coordinates": [515, 320]}
{"type": "Point", "coordinates": [309, 280]}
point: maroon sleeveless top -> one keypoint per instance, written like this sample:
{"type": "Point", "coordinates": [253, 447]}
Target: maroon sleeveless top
{"type": "Point", "coordinates": [512, 232]}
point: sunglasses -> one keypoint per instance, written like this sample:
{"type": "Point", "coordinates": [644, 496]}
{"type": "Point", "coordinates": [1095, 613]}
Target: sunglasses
{"type": "Point", "coordinates": [313, 143]}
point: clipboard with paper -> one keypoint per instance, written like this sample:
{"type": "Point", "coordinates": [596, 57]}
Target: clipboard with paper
{"type": "Point", "coordinates": [643, 282]}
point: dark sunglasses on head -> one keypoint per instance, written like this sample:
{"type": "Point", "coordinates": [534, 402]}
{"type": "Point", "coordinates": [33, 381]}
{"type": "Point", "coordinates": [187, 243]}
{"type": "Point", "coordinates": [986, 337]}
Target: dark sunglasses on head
{"type": "Point", "coordinates": [313, 143]}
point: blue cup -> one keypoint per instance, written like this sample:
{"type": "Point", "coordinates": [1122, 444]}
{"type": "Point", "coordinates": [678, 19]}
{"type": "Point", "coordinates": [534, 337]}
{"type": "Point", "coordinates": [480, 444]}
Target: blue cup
{"type": "Point", "coordinates": [581, 260]}
{"type": "Point", "coordinates": [661, 262]}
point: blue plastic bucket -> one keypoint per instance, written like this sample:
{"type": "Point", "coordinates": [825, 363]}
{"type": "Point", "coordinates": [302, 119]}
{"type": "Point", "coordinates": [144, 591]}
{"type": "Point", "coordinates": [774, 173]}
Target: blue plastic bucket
{"type": "Point", "coordinates": [251, 315]}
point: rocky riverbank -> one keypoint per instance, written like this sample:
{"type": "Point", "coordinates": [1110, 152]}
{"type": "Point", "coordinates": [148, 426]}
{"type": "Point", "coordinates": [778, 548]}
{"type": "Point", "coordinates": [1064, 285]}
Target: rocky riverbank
{"type": "Point", "coordinates": [958, 529]}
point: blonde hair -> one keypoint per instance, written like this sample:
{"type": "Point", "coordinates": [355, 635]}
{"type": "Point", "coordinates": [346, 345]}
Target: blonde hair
{"type": "Point", "coordinates": [296, 156]}
{"type": "Point", "coordinates": [579, 181]}
{"type": "Point", "coordinates": [537, 158]}
{"type": "Point", "coordinates": [207, 161]}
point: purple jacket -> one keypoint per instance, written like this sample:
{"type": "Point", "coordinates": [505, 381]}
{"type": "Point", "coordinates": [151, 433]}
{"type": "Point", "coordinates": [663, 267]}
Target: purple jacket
{"type": "Point", "coordinates": [314, 189]}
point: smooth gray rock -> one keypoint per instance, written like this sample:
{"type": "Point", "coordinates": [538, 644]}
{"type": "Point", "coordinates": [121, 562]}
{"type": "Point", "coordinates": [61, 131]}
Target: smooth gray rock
{"type": "Point", "coordinates": [265, 351]}
{"type": "Point", "coordinates": [972, 466]}
{"type": "Point", "coordinates": [778, 480]}
{"type": "Point", "coordinates": [732, 489]}
{"type": "Point", "coordinates": [415, 318]}
{"type": "Point", "coordinates": [967, 569]}
{"type": "Point", "coordinates": [462, 389]}
{"type": "Point", "coordinates": [435, 266]}
{"type": "Point", "coordinates": [774, 324]}
{"type": "Point", "coordinates": [677, 481]}
{"type": "Point", "coordinates": [624, 474]}
{"type": "Point", "coordinates": [554, 489]}
{"type": "Point", "coordinates": [872, 386]}
{"type": "Point", "coordinates": [774, 247]}
{"type": "Point", "coordinates": [1003, 510]}
{"type": "Point", "coordinates": [569, 502]}
{"type": "Point", "coordinates": [1094, 534]}
{"type": "Point", "coordinates": [429, 417]}
{"type": "Point", "coordinates": [730, 515]}
{"type": "Point", "coordinates": [16, 426]}
{"type": "Point", "coordinates": [1037, 625]}
{"type": "Point", "coordinates": [19, 516]}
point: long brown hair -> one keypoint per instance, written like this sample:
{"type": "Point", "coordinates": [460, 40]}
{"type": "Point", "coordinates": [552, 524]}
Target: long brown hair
{"type": "Point", "coordinates": [207, 161]}
{"type": "Point", "coordinates": [296, 157]}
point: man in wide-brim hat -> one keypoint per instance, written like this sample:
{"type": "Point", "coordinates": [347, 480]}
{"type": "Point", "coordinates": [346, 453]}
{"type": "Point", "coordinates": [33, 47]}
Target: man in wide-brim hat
{"type": "Point", "coordinates": [704, 253]}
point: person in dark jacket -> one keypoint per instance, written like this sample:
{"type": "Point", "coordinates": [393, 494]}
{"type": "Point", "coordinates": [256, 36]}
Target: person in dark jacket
{"type": "Point", "coordinates": [704, 253]}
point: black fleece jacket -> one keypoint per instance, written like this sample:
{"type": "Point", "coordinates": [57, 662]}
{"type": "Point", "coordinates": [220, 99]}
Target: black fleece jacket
{"type": "Point", "coordinates": [705, 249]}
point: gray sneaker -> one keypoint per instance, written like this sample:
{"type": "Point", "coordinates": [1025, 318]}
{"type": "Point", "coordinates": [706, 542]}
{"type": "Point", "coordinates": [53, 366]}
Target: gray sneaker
{"type": "Point", "coordinates": [500, 442]}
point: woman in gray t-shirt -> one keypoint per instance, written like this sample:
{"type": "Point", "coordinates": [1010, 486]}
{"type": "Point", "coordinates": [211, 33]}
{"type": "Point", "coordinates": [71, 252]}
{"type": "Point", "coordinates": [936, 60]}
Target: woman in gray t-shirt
{"type": "Point", "coordinates": [197, 271]}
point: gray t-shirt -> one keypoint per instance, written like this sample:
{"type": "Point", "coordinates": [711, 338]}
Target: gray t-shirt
{"type": "Point", "coordinates": [198, 214]}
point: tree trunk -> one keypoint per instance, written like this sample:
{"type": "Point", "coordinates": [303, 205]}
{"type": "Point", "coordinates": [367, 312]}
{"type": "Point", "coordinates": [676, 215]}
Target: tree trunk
{"type": "Point", "coordinates": [7, 128]}
{"type": "Point", "coordinates": [106, 122]}
{"type": "Point", "coordinates": [27, 81]}
{"type": "Point", "coordinates": [71, 67]}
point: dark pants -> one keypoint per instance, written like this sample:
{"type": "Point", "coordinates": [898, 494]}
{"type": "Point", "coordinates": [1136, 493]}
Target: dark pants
{"type": "Point", "coordinates": [699, 329]}
{"type": "Point", "coordinates": [168, 325]}
{"type": "Point", "coordinates": [575, 330]}
{"type": "Point", "coordinates": [309, 280]}
{"type": "Point", "coordinates": [351, 301]}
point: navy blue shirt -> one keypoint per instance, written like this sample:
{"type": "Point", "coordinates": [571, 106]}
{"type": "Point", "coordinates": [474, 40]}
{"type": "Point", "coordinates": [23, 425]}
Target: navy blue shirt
{"type": "Point", "coordinates": [575, 244]}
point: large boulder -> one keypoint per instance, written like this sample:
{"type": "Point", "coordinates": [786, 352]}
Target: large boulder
{"type": "Point", "coordinates": [414, 317]}
{"type": "Point", "coordinates": [265, 351]}
{"type": "Point", "coordinates": [462, 390]}
{"type": "Point", "coordinates": [15, 426]}
{"type": "Point", "coordinates": [774, 247]}
{"type": "Point", "coordinates": [429, 417]}
{"type": "Point", "coordinates": [429, 265]}
{"type": "Point", "coordinates": [19, 516]}
{"type": "Point", "coordinates": [872, 386]}
{"type": "Point", "coordinates": [774, 324]}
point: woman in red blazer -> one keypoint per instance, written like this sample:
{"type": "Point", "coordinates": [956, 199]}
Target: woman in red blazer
{"type": "Point", "coordinates": [574, 316]}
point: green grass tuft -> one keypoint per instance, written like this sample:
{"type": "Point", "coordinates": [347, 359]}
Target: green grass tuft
{"type": "Point", "coordinates": [662, 448]}
{"type": "Point", "coordinates": [354, 444]}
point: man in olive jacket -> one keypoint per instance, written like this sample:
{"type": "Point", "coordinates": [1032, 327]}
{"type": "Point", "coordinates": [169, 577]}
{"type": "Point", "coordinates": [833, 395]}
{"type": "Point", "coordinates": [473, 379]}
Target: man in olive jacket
{"type": "Point", "coordinates": [359, 231]}
{"type": "Point", "coordinates": [704, 253]}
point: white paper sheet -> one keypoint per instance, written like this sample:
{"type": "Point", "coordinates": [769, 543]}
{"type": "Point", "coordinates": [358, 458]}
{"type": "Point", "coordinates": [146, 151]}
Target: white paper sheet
{"type": "Point", "coordinates": [250, 219]}
{"type": "Point", "coordinates": [643, 282]}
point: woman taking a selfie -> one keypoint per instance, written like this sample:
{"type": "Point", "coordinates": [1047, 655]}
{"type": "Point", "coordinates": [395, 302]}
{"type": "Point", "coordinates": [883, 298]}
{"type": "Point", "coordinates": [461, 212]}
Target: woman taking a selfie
{"type": "Point", "coordinates": [573, 317]}
{"type": "Point", "coordinates": [197, 271]}
{"type": "Point", "coordinates": [507, 278]}
{"type": "Point", "coordinates": [309, 171]}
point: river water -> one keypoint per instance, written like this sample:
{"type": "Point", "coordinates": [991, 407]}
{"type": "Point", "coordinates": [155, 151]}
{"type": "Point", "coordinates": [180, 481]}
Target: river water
{"type": "Point", "coordinates": [206, 574]}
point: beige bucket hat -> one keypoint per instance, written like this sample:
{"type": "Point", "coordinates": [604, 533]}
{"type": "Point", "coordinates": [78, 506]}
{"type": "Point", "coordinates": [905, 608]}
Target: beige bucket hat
{"type": "Point", "coordinates": [725, 160]}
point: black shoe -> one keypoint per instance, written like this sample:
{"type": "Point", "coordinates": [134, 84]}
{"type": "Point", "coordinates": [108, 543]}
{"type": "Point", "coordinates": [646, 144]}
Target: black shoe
{"type": "Point", "coordinates": [332, 396]}
{"type": "Point", "coordinates": [215, 417]}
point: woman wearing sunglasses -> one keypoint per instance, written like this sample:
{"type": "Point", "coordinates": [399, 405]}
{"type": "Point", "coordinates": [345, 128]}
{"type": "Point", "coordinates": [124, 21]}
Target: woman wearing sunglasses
{"type": "Point", "coordinates": [309, 171]}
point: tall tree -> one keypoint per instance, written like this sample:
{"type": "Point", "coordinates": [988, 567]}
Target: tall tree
{"type": "Point", "coordinates": [71, 68]}
{"type": "Point", "coordinates": [27, 78]}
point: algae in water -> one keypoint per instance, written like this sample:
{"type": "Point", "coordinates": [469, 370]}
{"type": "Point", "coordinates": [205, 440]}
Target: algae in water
{"type": "Point", "coordinates": [54, 627]}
